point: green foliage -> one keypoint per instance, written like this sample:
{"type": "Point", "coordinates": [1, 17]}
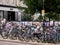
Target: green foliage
{"type": "Point", "coordinates": [26, 17]}
{"type": "Point", "coordinates": [52, 15]}
{"type": "Point", "coordinates": [33, 5]}
{"type": "Point", "coordinates": [50, 6]}
{"type": "Point", "coordinates": [40, 18]}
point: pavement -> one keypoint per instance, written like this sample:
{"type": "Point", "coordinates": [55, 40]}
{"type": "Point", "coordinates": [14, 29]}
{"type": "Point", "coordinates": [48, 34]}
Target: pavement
{"type": "Point", "coordinates": [12, 43]}
{"type": "Point", "coordinates": [17, 42]}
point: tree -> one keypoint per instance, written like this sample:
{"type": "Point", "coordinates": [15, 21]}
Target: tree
{"type": "Point", "coordinates": [26, 17]}
{"type": "Point", "coordinates": [52, 15]}
{"type": "Point", "coordinates": [40, 18]}
{"type": "Point", "coordinates": [49, 6]}
{"type": "Point", "coordinates": [33, 5]}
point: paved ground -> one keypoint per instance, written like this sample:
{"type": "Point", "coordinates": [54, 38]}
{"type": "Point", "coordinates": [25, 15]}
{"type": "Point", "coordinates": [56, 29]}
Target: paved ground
{"type": "Point", "coordinates": [11, 43]}
{"type": "Point", "coordinates": [17, 42]}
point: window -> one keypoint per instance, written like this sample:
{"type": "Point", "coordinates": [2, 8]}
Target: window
{"type": "Point", "coordinates": [0, 1]}
{"type": "Point", "coordinates": [1, 15]}
{"type": "Point", "coordinates": [13, 1]}
{"type": "Point", "coordinates": [7, 1]}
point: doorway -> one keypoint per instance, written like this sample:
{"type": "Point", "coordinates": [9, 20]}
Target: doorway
{"type": "Point", "coordinates": [11, 16]}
